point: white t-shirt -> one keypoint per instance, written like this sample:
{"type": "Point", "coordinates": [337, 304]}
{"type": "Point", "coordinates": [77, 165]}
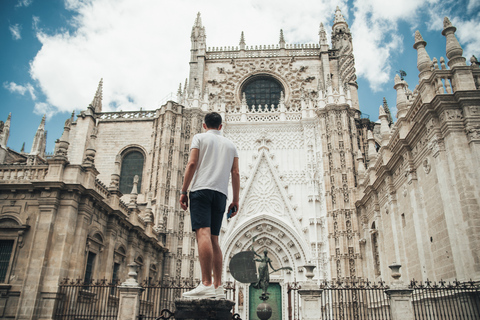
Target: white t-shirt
{"type": "Point", "coordinates": [215, 160]}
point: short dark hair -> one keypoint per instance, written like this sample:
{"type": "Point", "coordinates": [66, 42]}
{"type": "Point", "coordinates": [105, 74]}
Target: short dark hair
{"type": "Point", "coordinates": [213, 120]}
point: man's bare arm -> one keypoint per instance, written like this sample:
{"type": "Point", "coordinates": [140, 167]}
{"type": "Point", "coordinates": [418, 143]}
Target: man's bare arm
{"type": "Point", "coordinates": [235, 172]}
{"type": "Point", "coordinates": [189, 172]}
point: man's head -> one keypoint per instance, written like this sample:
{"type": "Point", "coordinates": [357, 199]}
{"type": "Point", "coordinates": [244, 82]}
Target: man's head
{"type": "Point", "coordinates": [213, 120]}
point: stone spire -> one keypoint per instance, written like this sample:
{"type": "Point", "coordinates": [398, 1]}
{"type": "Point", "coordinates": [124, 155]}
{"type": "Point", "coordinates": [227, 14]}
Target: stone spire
{"type": "Point", "coordinates": [40, 140]}
{"type": "Point", "coordinates": [384, 126]}
{"type": "Point", "coordinates": [198, 52]}
{"type": "Point", "coordinates": [338, 17]}
{"type": "Point", "coordinates": [198, 30]}
{"type": "Point", "coordinates": [179, 93]}
{"type": "Point", "coordinates": [242, 41]}
{"type": "Point", "coordinates": [61, 145]}
{"type": "Point", "coordinates": [401, 97]}
{"type": "Point", "coordinates": [387, 111]}
{"type": "Point", "coordinates": [361, 165]}
{"type": "Point", "coordinates": [323, 36]}
{"type": "Point", "coordinates": [372, 151]}
{"type": "Point", "coordinates": [5, 134]}
{"type": "Point", "coordinates": [423, 59]}
{"type": "Point", "coordinates": [282, 40]}
{"type": "Point", "coordinates": [454, 50]}
{"type": "Point", "coordinates": [97, 100]}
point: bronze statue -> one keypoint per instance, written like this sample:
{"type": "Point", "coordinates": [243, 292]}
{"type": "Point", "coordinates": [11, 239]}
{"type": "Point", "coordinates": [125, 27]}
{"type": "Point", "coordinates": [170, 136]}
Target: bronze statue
{"type": "Point", "coordinates": [264, 273]}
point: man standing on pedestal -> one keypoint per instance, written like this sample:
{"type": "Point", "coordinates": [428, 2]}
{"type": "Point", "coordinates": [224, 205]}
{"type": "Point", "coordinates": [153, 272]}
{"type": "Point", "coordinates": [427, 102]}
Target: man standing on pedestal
{"type": "Point", "coordinates": [212, 159]}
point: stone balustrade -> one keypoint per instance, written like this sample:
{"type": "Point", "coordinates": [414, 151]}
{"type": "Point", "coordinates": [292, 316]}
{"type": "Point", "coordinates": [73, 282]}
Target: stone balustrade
{"type": "Point", "coordinates": [130, 115]}
{"type": "Point", "coordinates": [16, 173]}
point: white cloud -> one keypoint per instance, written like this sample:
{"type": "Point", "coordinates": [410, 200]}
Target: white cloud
{"type": "Point", "coordinates": [16, 31]}
{"type": "Point", "coordinates": [16, 88]}
{"type": "Point", "coordinates": [42, 108]}
{"type": "Point", "coordinates": [24, 3]}
{"type": "Point", "coordinates": [35, 22]}
{"type": "Point", "coordinates": [142, 51]}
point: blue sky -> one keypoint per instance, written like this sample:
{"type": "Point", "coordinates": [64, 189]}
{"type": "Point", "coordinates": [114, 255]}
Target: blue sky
{"type": "Point", "coordinates": [54, 52]}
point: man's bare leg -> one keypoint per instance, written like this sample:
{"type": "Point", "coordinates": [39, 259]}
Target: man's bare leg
{"type": "Point", "coordinates": [217, 262]}
{"type": "Point", "coordinates": [205, 254]}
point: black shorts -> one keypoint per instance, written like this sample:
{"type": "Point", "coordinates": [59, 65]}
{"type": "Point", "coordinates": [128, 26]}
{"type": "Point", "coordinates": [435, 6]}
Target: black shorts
{"type": "Point", "coordinates": [206, 210]}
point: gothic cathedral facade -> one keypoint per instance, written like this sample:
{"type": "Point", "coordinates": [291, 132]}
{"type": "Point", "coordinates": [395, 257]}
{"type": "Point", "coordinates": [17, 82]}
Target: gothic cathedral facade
{"type": "Point", "coordinates": [320, 184]}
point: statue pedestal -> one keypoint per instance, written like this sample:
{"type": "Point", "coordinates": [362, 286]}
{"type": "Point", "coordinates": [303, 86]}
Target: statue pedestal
{"type": "Point", "coordinates": [310, 296]}
{"type": "Point", "coordinates": [203, 309]}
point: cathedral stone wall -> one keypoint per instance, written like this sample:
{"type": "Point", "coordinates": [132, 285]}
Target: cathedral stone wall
{"type": "Point", "coordinates": [118, 137]}
{"type": "Point", "coordinates": [319, 184]}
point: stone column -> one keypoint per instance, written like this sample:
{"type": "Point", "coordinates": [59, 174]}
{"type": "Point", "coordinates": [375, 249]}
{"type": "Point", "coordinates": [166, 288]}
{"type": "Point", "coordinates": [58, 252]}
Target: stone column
{"type": "Point", "coordinates": [310, 296]}
{"type": "Point", "coordinates": [130, 291]}
{"type": "Point", "coordinates": [401, 305]}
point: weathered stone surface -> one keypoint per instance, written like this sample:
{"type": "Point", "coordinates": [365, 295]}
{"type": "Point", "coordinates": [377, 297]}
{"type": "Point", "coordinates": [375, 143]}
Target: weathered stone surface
{"type": "Point", "coordinates": [203, 309]}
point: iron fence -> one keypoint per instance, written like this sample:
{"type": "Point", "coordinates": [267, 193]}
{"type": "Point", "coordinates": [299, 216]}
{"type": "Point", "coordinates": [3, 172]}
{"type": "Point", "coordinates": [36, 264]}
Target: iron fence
{"type": "Point", "coordinates": [354, 299]}
{"type": "Point", "coordinates": [161, 295]}
{"type": "Point", "coordinates": [445, 301]}
{"type": "Point", "coordinates": [350, 299]}
{"type": "Point", "coordinates": [92, 300]}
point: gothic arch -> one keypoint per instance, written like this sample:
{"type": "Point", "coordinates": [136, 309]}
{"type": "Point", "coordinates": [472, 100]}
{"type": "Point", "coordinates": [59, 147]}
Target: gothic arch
{"type": "Point", "coordinates": [288, 246]}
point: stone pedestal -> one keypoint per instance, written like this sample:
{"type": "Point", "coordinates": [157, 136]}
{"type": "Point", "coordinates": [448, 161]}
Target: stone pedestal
{"type": "Point", "coordinates": [129, 304]}
{"type": "Point", "coordinates": [401, 303]}
{"type": "Point", "coordinates": [400, 296]}
{"type": "Point", "coordinates": [130, 291]}
{"type": "Point", "coordinates": [310, 297]}
{"type": "Point", "coordinates": [203, 309]}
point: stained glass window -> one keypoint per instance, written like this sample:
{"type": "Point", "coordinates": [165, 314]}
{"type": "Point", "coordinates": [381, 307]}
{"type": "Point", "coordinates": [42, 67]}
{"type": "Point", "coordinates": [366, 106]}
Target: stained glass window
{"type": "Point", "coordinates": [262, 91]}
{"type": "Point", "coordinates": [132, 164]}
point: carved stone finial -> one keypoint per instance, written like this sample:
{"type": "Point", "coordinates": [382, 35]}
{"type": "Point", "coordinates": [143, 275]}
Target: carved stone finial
{"type": "Point", "coordinates": [423, 59]}
{"type": "Point", "coordinates": [90, 152]}
{"type": "Point", "coordinates": [242, 40]}
{"type": "Point", "coordinates": [338, 16]}
{"type": "Point", "coordinates": [446, 23]}
{"type": "Point", "coordinates": [474, 62]}
{"type": "Point", "coordinates": [453, 49]}
{"type": "Point", "coordinates": [381, 112]}
{"type": "Point", "coordinates": [418, 37]}
{"type": "Point", "coordinates": [97, 99]}
{"type": "Point", "coordinates": [323, 34]}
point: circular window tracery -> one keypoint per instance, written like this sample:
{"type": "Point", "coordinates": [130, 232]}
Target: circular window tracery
{"type": "Point", "coordinates": [262, 90]}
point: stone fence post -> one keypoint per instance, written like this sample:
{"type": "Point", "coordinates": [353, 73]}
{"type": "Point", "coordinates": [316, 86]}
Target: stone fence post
{"type": "Point", "coordinates": [310, 296]}
{"type": "Point", "coordinates": [130, 291]}
{"type": "Point", "coordinates": [401, 305]}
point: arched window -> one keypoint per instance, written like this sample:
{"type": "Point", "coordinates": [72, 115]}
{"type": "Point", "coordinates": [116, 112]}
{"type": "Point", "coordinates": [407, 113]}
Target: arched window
{"type": "Point", "coordinates": [262, 90]}
{"type": "Point", "coordinates": [132, 165]}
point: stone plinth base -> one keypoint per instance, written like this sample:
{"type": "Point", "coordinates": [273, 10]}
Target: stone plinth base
{"type": "Point", "coordinates": [203, 309]}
